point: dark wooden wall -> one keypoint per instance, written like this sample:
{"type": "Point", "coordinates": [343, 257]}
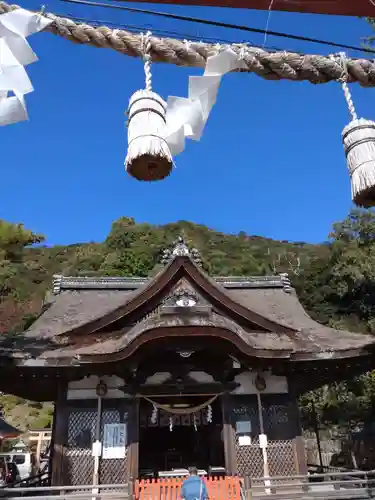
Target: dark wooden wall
{"type": "Point", "coordinates": [74, 432]}
{"type": "Point", "coordinates": [281, 425]}
{"type": "Point", "coordinates": [75, 423]}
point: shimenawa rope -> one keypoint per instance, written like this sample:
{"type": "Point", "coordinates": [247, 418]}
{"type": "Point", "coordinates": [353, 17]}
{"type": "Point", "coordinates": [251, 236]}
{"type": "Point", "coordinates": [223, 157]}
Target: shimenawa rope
{"type": "Point", "coordinates": [268, 65]}
{"type": "Point", "coordinates": [181, 411]}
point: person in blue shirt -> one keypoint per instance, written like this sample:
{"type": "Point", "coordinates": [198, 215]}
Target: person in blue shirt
{"type": "Point", "coordinates": [194, 488]}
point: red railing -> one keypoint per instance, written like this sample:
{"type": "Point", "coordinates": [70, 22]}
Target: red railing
{"type": "Point", "coordinates": [223, 488]}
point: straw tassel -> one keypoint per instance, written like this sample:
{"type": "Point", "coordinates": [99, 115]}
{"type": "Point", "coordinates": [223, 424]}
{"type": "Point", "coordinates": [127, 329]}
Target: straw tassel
{"type": "Point", "coordinates": [358, 138]}
{"type": "Point", "coordinates": [149, 157]}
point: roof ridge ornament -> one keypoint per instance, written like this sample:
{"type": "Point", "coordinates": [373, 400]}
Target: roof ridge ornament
{"type": "Point", "coordinates": [287, 285]}
{"type": "Point", "coordinates": [56, 283]}
{"type": "Point", "coordinates": [180, 248]}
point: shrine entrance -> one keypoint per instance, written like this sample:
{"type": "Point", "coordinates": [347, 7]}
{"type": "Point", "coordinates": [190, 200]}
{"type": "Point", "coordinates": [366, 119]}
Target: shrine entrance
{"type": "Point", "coordinates": [173, 437]}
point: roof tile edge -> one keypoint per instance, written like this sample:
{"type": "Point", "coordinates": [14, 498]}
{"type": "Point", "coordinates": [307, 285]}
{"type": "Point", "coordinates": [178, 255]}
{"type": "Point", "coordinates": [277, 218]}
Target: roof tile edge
{"type": "Point", "coordinates": [61, 282]}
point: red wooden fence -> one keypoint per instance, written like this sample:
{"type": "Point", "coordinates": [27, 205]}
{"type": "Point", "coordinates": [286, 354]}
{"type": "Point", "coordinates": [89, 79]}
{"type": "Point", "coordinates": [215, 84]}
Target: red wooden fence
{"type": "Point", "coordinates": [223, 488]}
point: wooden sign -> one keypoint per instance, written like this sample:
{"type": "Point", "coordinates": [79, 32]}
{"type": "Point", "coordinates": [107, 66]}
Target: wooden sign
{"type": "Point", "coordinates": [114, 441]}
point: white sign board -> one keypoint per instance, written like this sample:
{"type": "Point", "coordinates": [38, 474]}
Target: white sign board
{"type": "Point", "coordinates": [244, 440]}
{"type": "Point", "coordinates": [114, 442]}
{"type": "Point", "coordinates": [243, 426]}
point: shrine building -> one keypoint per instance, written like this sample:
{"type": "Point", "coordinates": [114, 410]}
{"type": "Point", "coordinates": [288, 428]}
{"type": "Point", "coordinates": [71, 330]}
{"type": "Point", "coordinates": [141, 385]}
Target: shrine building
{"type": "Point", "coordinates": [152, 375]}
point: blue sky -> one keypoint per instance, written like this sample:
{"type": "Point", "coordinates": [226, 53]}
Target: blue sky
{"type": "Point", "coordinates": [270, 161]}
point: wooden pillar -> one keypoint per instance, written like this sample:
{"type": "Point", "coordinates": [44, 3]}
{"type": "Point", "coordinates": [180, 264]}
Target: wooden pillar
{"type": "Point", "coordinates": [294, 418]}
{"type": "Point", "coordinates": [52, 442]}
{"type": "Point", "coordinates": [133, 437]}
{"type": "Point", "coordinates": [228, 436]}
{"type": "Point", "coordinates": [300, 453]}
{"type": "Point", "coordinates": [59, 436]}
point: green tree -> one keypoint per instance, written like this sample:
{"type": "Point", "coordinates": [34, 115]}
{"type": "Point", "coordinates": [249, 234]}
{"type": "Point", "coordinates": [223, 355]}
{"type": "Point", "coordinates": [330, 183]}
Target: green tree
{"type": "Point", "coordinates": [14, 238]}
{"type": "Point", "coordinates": [127, 263]}
{"type": "Point", "coordinates": [122, 234]}
{"type": "Point", "coordinates": [369, 39]}
{"type": "Point", "coordinates": [338, 287]}
{"type": "Point", "coordinates": [353, 266]}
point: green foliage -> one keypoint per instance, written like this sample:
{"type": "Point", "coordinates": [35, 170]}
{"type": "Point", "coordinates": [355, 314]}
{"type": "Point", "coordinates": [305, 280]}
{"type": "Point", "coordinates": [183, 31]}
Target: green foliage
{"type": "Point", "coordinates": [25, 414]}
{"type": "Point", "coordinates": [370, 39]}
{"type": "Point", "coordinates": [123, 234]}
{"type": "Point", "coordinates": [42, 422]}
{"type": "Point", "coordinates": [339, 286]}
{"type": "Point", "coordinates": [335, 282]}
{"type": "Point", "coordinates": [127, 263]}
{"type": "Point", "coordinates": [346, 404]}
{"type": "Point", "coordinates": [13, 239]}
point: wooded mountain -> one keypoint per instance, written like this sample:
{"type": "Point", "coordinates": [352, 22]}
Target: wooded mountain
{"type": "Point", "coordinates": [335, 282]}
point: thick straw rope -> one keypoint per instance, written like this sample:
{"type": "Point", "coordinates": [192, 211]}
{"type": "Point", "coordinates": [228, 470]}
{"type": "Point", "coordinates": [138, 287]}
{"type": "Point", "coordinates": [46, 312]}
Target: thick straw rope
{"type": "Point", "coordinates": [268, 65]}
{"type": "Point", "coordinates": [147, 59]}
{"type": "Point", "coordinates": [344, 84]}
{"type": "Point", "coordinates": [181, 411]}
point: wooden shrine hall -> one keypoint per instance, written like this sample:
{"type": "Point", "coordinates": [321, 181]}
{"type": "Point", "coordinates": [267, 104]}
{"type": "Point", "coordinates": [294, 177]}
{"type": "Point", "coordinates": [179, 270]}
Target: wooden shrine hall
{"type": "Point", "coordinates": [150, 376]}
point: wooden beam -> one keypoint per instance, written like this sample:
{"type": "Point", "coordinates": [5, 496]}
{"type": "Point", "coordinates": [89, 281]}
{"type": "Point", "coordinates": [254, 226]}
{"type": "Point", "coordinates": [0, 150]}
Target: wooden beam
{"type": "Point", "coordinates": [356, 8]}
{"type": "Point", "coordinates": [171, 389]}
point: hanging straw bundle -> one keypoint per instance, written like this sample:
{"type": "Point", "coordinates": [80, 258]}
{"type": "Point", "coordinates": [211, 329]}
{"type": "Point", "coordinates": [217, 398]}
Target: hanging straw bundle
{"type": "Point", "coordinates": [358, 138]}
{"type": "Point", "coordinates": [149, 157]}
{"type": "Point", "coordinates": [359, 145]}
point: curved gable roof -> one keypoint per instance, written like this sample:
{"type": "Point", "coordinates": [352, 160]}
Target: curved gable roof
{"type": "Point", "coordinates": [263, 313]}
{"type": "Point", "coordinates": [86, 311]}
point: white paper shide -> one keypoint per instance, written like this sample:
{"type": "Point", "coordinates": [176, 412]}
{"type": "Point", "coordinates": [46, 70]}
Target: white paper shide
{"type": "Point", "coordinates": [114, 441]}
{"type": "Point", "coordinates": [187, 117]}
{"type": "Point", "coordinates": [15, 53]}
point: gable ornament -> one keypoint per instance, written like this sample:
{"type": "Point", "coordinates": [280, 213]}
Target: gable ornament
{"type": "Point", "coordinates": [180, 248]}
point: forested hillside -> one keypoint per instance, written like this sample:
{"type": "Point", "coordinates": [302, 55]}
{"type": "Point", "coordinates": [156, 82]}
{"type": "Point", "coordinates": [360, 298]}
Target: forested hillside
{"type": "Point", "coordinates": [335, 282]}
